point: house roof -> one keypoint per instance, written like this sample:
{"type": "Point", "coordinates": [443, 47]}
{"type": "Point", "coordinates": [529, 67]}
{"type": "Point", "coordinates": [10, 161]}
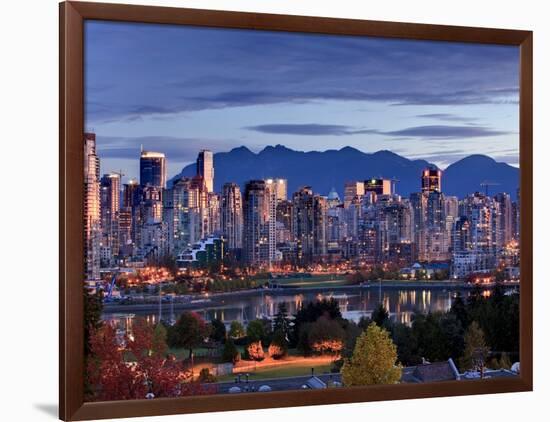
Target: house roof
{"type": "Point", "coordinates": [431, 372]}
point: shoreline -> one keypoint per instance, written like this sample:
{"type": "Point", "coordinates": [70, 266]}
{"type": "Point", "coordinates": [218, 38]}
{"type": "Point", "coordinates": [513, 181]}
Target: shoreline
{"type": "Point", "coordinates": [216, 299]}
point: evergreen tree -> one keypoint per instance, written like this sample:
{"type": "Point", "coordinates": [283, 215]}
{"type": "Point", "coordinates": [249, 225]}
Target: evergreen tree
{"type": "Point", "coordinates": [458, 308]}
{"type": "Point", "coordinates": [281, 322]}
{"type": "Point", "coordinates": [230, 352]}
{"type": "Point", "coordinates": [217, 332]}
{"type": "Point", "coordinates": [475, 351]}
{"type": "Point", "coordinates": [380, 315]}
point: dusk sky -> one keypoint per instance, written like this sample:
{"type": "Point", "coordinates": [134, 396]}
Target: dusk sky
{"type": "Point", "coordinates": [178, 90]}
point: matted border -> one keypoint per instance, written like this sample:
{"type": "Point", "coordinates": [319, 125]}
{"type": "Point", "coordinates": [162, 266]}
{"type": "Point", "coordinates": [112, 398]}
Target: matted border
{"type": "Point", "coordinates": [71, 183]}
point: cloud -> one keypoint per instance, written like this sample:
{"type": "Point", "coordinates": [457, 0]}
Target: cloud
{"type": "Point", "coordinates": [440, 132]}
{"type": "Point", "coordinates": [128, 75]}
{"type": "Point", "coordinates": [446, 132]}
{"type": "Point", "coordinates": [309, 129]}
{"type": "Point", "coordinates": [447, 117]}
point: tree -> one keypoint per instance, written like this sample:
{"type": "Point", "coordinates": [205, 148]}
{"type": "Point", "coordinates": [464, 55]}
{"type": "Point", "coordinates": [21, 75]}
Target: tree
{"type": "Point", "coordinates": [406, 343]}
{"type": "Point", "coordinates": [230, 352]}
{"type": "Point", "coordinates": [458, 308]}
{"type": "Point", "coordinates": [255, 331]}
{"type": "Point", "coordinates": [159, 340]}
{"type": "Point", "coordinates": [326, 336]}
{"type": "Point", "coordinates": [217, 331]}
{"type": "Point", "coordinates": [279, 345]}
{"type": "Point", "coordinates": [312, 312]}
{"type": "Point", "coordinates": [281, 322]}
{"type": "Point", "coordinates": [374, 360]}
{"type": "Point", "coordinates": [93, 307]}
{"type": "Point", "coordinates": [236, 330]}
{"type": "Point", "coordinates": [205, 376]}
{"type": "Point", "coordinates": [189, 332]}
{"type": "Point", "coordinates": [380, 315]}
{"type": "Point", "coordinates": [475, 351]}
{"type": "Point", "coordinates": [131, 372]}
{"type": "Point", "coordinates": [255, 351]}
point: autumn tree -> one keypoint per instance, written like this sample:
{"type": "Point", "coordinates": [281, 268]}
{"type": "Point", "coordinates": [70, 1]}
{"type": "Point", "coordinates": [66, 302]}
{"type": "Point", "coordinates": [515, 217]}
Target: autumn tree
{"type": "Point", "coordinates": [189, 332]}
{"type": "Point", "coordinates": [475, 350]}
{"type": "Point", "coordinates": [131, 367]}
{"type": "Point", "coordinates": [374, 360]}
{"type": "Point", "coordinates": [255, 351]}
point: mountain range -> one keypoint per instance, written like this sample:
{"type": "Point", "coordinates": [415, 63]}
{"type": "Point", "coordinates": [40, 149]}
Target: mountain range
{"type": "Point", "coordinates": [332, 168]}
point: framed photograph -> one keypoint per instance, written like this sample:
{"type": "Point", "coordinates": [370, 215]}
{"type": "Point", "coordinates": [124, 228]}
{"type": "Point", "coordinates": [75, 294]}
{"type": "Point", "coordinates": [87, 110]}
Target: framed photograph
{"type": "Point", "coordinates": [268, 210]}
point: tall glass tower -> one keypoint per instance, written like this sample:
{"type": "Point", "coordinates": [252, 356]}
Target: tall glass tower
{"type": "Point", "coordinates": [205, 168]}
{"type": "Point", "coordinates": [152, 169]}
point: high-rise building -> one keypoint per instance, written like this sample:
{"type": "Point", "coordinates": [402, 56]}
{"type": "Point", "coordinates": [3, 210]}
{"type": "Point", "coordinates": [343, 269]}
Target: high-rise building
{"type": "Point", "coordinates": [506, 218]}
{"type": "Point", "coordinates": [280, 187]}
{"type": "Point", "coordinates": [378, 186]}
{"type": "Point", "coordinates": [214, 213]}
{"type": "Point", "coordinates": [152, 169]}
{"type": "Point", "coordinates": [437, 236]}
{"type": "Point", "coordinates": [205, 168]}
{"type": "Point", "coordinates": [352, 190]}
{"type": "Point", "coordinates": [272, 188]}
{"type": "Point", "coordinates": [256, 220]}
{"type": "Point", "coordinates": [232, 215]}
{"type": "Point", "coordinates": [284, 222]}
{"type": "Point", "coordinates": [130, 194]}
{"type": "Point", "coordinates": [461, 236]}
{"type": "Point", "coordinates": [189, 222]}
{"type": "Point", "coordinates": [431, 180]}
{"type": "Point", "coordinates": [125, 239]}
{"type": "Point", "coordinates": [419, 205]}
{"type": "Point", "coordinates": [309, 225]}
{"type": "Point", "coordinates": [92, 216]}
{"type": "Point", "coordinates": [110, 207]}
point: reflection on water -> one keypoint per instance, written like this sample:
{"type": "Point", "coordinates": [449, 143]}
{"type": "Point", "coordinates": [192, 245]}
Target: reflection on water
{"type": "Point", "coordinates": [400, 303]}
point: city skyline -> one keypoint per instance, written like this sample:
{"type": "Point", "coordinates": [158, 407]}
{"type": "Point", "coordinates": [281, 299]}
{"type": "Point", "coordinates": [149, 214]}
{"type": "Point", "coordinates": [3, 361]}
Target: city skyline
{"type": "Point", "coordinates": [263, 225]}
{"type": "Point", "coordinates": [432, 100]}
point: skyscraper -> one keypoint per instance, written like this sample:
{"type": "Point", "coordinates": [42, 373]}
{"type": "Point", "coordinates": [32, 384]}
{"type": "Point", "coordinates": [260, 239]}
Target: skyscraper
{"type": "Point", "coordinates": [256, 215]}
{"type": "Point", "coordinates": [419, 205]}
{"type": "Point", "coordinates": [205, 168]}
{"type": "Point", "coordinates": [506, 217]}
{"type": "Point", "coordinates": [378, 186]}
{"type": "Point", "coordinates": [351, 190]}
{"type": "Point", "coordinates": [110, 207]}
{"type": "Point", "coordinates": [190, 217]}
{"type": "Point", "coordinates": [280, 186]}
{"type": "Point", "coordinates": [309, 225]}
{"type": "Point", "coordinates": [431, 180]}
{"type": "Point", "coordinates": [91, 208]}
{"type": "Point", "coordinates": [152, 169]}
{"type": "Point", "coordinates": [232, 215]}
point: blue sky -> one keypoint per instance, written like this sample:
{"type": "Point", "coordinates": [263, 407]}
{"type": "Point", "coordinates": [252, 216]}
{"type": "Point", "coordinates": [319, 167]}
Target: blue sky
{"type": "Point", "coordinates": [180, 89]}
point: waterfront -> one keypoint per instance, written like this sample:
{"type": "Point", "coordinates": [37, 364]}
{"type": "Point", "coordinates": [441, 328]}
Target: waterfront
{"type": "Point", "coordinates": [401, 302]}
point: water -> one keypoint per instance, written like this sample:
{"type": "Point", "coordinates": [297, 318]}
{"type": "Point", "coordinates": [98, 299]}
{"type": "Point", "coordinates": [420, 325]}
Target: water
{"type": "Point", "coordinates": [401, 304]}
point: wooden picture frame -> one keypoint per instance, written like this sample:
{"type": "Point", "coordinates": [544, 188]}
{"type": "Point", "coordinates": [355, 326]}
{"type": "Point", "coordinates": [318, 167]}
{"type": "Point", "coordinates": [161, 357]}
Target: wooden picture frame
{"type": "Point", "coordinates": [71, 127]}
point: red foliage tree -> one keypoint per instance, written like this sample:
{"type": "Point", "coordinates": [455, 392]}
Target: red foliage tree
{"type": "Point", "coordinates": [136, 365]}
